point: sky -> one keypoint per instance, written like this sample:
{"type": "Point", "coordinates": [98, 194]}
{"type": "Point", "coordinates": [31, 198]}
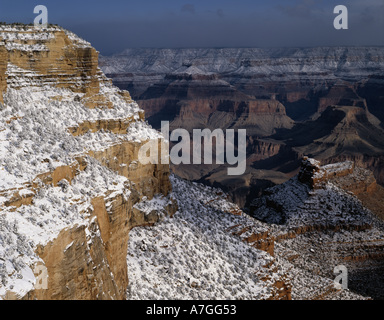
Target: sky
{"type": "Point", "coordinates": [114, 25]}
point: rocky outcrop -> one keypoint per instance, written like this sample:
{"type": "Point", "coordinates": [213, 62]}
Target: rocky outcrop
{"type": "Point", "coordinates": [53, 57]}
{"type": "Point", "coordinates": [100, 247]}
{"type": "Point", "coordinates": [76, 270]}
{"type": "Point", "coordinates": [372, 163]}
{"type": "Point", "coordinates": [315, 175]}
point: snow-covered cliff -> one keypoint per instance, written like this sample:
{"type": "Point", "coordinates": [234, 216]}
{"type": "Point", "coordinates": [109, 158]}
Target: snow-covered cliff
{"type": "Point", "coordinates": [69, 142]}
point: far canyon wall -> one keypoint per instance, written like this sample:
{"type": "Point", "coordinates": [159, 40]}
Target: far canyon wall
{"type": "Point", "coordinates": [323, 102]}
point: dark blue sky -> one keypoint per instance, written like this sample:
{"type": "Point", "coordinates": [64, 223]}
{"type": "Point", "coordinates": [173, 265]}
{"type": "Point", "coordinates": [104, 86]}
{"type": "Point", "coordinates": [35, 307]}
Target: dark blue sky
{"type": "Point", "coordinates": [114, 25]}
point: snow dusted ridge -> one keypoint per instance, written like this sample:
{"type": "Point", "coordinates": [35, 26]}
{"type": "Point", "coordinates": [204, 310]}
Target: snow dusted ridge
{"type": "Point", "coordinates": [193, 255]}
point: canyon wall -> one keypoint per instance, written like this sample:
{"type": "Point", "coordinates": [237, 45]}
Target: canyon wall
{"type": "Point", "coordinates": [324, 102]}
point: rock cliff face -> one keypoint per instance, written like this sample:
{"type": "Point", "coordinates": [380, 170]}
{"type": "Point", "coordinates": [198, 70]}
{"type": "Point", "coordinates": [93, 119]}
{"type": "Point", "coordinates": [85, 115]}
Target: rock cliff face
{"type": "Point", "coordinates": [70, 176]}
